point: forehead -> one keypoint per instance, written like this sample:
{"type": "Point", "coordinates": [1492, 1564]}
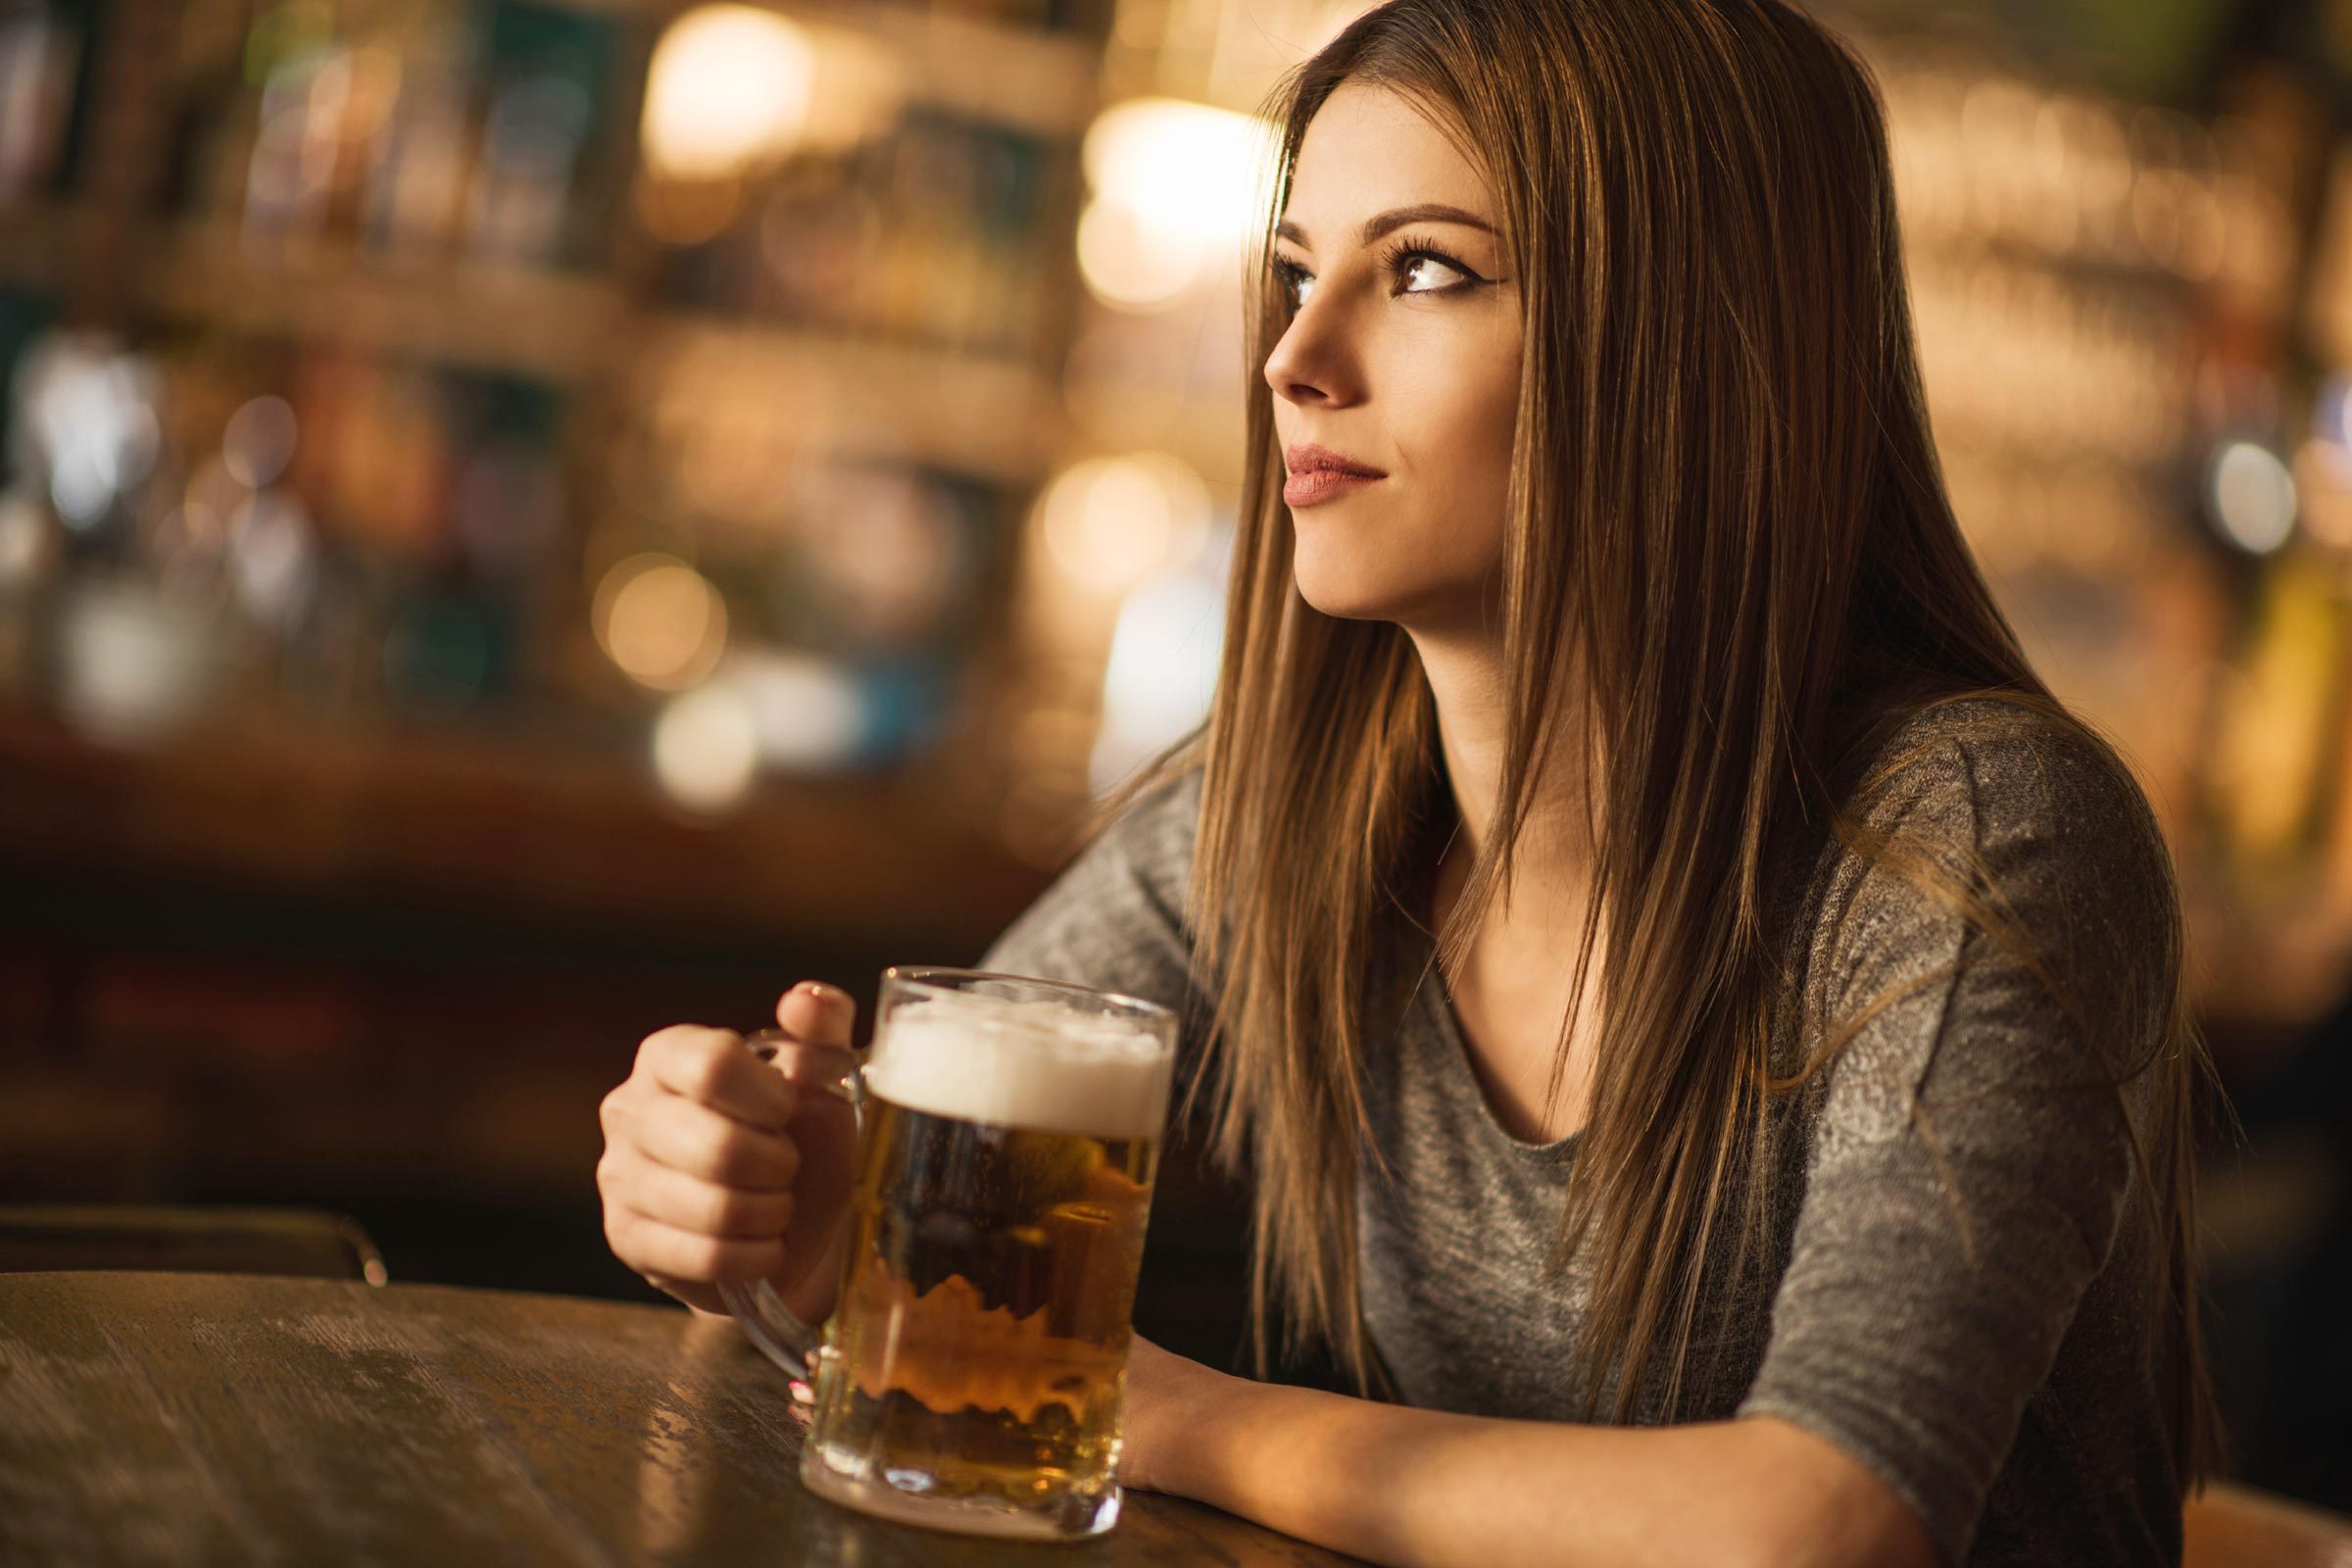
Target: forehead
{"type": "Point", "coordinates": [1368, 148]}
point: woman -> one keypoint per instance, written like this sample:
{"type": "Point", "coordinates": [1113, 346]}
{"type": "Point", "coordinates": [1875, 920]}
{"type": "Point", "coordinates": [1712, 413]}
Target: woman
{"type": "Point", "coordinates": [1702, 1025]}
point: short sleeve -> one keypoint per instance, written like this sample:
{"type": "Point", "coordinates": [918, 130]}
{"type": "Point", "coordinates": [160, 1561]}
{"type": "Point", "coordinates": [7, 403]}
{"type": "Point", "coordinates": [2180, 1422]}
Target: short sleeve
{"type": "Point", "coordinates": [1113, 919]}
{"type": "Point", "coordinates": [1963, 1185]}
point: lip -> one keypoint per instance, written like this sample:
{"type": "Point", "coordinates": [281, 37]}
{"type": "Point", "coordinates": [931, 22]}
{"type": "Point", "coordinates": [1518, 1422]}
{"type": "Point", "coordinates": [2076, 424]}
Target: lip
{"type": "Point", "coordinates": [1306, 457]}
{"type": "Point", "coordinates": [1306, 488]}
{"type": "Point", "coordinates": [1319, 473]}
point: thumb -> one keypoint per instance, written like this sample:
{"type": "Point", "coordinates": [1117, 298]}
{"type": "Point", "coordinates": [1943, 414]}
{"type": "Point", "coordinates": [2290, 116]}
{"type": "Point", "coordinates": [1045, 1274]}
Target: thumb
{"type": "Point", "coordinates": [818, 1014]}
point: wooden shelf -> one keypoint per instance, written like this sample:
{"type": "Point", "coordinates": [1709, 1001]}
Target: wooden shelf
{"type": "Point", "coordinates": [1001, 419]}
{"type": "Point", "coordinates": [537, 828]}
{"type": "Point", "coordinates": [538, 322]}
{"type": "Point", "coordinates": [998, 417]}
{"type": "Point", "coordinates": [1035, 79]}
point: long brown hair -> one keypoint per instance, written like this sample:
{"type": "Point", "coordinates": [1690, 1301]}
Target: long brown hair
{"type": "Point", "coordinates": [1725, 514]}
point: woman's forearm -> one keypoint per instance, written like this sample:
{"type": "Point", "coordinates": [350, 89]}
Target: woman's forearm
{"type": "Point", "coordinates": [1426, 1488]}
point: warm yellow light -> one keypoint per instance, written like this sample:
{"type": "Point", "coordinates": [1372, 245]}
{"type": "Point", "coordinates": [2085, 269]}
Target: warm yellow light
{"type": "Point", "coordinates": [729, 85]}
{"type": "Point", "coordinates": [1127, 261]}
{"type": "Point", "coordinates": [1175, 188]}
{"type": "Point", "coordinates": [659, 620]}
{"type": "Point", "coordinates": [1109, 522]}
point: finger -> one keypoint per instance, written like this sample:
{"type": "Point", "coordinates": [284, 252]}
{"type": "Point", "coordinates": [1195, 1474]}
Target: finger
{"type": "Point", "coordinates": [816, 1012]}
{"type": "Point", "coordinates": [710, 1067]}
{"type": "Point", "coordinates": [807, 1068]}
{"type": "Point", "coordinates": [652, 1246]}
{"type": "Point", "coordinates": [691, 1203]}
{"type": "Point", "coordinates": [686, 1136]}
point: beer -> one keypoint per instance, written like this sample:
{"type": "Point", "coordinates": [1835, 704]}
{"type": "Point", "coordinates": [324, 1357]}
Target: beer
{"type": "Point", "coordinates": [977, 1354]}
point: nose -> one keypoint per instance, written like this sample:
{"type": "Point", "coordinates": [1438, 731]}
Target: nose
{"type": "Point", "coordinates": [1309, 363]}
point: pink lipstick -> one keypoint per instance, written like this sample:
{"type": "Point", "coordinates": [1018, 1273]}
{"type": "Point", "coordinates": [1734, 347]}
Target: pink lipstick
{"type": "Point", "coordinates": [1321, 484]}
{"type": "Point", "coordinates": [1319, 473]}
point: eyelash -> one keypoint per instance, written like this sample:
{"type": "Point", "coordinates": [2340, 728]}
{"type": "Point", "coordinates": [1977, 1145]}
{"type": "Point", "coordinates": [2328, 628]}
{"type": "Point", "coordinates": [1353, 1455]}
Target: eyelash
{"type": "Point", "coordinates": [1391, 260]}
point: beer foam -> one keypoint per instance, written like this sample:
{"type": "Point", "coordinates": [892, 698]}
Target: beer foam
{"type": "Point", "coordinates": [1023, 1062]}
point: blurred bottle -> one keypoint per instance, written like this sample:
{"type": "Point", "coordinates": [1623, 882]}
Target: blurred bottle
{"type": "Point", "coordinates": [325, 96]}
{"type": "Point", "coordinates": [40, 49]}
{"type": "Point", "coordinates": [417, 179]}
{"type": "Point", "coordinates": [546, 73]}
{"type": "Point", "coordinates": [519, 201]}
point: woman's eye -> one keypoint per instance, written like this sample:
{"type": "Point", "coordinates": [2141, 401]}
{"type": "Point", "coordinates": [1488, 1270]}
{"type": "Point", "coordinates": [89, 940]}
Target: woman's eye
{"type": "Point", "coordinates": [1418, 259]}
{"type": "Point", "coordinates": [1405, 266]}
{"type": "Point", "coordinates": [1296, 281]}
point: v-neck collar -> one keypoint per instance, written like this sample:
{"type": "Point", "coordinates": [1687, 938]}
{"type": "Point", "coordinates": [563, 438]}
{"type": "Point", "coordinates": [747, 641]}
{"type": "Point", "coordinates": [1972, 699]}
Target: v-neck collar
{"type": "Point", "coordinates": [1436, 1004]}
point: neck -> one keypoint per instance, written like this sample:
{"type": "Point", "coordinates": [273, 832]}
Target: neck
{"type": "Point", "coordinates": [1551, 862]}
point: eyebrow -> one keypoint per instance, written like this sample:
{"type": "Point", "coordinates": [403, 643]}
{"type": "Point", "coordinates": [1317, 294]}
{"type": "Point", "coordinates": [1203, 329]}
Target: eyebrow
{"type": "Point", "coordinates": [1398, 217]}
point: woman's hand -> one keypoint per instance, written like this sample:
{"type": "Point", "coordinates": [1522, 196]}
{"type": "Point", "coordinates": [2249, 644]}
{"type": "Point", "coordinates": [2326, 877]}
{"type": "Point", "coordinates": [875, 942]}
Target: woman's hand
{"type": "Point", "coordinates": [1171, 1409]}
{"type": "Point", "coordinates": [721, 1167]}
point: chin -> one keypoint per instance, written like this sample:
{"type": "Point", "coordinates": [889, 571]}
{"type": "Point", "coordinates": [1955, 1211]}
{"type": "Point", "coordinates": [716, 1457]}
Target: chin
{"type": "Point", "coordinates": [1353, 605]}
{"type": "Point", "coordinates": [1354, 588]}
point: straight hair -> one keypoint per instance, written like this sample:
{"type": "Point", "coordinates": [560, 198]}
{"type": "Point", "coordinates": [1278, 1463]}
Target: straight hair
{"type": "Point", "coordinates": [1725, 511]}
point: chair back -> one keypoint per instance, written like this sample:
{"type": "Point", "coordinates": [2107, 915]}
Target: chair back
{"type": "Point", "coordinates": [308, 1241]}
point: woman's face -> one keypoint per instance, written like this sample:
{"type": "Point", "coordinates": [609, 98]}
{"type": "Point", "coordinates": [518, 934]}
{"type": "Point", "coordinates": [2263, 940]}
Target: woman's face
{"type": "Point", "coordinates": [1401, 354]}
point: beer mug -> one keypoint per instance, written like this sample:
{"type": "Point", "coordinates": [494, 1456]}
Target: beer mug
{"type": "Point", "coordinates": [970, 1376]}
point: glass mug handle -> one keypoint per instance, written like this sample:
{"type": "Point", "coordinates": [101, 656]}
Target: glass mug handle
{"type": "Point", "coordinates": [766, 1321]}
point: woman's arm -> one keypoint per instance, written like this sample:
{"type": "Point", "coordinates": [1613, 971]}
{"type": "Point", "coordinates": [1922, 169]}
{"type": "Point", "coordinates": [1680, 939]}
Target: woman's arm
{"type": "Point", "coordinates": [1399, 1486]}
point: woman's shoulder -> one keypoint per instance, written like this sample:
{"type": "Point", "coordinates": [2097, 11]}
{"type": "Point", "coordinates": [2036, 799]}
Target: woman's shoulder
{"type": "Point", "coordinates": [1997, 775]}
{"type": "Point", "coordinates": [2018, 820]}
{"type": "Point", "coordinates": [1144, 843]}
{"type": "Point", "coordinates": [1158, 824]}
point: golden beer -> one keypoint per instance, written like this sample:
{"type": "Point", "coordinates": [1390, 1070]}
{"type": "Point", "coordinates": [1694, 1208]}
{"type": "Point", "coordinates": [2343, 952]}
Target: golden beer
{"type": "Point", "coordinates": [981, 1338]}
{"type": "Point", "coordinates": [973, 1370]}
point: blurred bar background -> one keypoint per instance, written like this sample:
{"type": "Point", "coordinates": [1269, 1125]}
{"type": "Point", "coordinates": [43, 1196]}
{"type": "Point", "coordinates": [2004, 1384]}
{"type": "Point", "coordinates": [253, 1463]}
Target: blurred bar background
{"type": "Point", "coordinates": [524, 522]}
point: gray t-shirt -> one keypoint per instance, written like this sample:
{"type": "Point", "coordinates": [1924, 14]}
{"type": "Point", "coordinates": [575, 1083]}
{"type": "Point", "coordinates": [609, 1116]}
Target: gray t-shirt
{"type": "Point", "coordinates": [1990, 1371]}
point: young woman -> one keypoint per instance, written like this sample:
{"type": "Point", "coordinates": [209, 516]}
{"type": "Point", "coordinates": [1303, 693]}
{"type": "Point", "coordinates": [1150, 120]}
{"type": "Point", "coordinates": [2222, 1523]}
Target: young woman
{"type": "Point", "coordinates": [1701, 1025]}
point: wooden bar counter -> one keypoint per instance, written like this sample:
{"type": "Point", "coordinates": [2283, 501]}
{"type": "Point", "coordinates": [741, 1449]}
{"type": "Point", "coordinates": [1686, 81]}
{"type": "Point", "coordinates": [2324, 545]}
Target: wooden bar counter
{"type": "Point", "coordinates": [200, 1418]}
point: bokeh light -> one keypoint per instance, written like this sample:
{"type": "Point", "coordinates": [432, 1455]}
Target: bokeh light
{"type": "Point", "coordinates": [1109, 522]}
{"type": "Point", "coordinates": [1174, 186]}
{"type": "Point", "coordinates": [1161, 673]}
{"type": "Point", "coordinates": [2252, 495]}
{"type": "Point", "coordinates": [729, 85]}
{"type": "Point", "coordinates": [91, 415]}
{"type": "Point", "coordinates": [806, 711]}
{"type": "Point", "coordinates": [659, 620]}
{"type": "Point", "coordinates": [706, 749]}
{"type": "Point", "coordinates": [133, 665]}
{"type": "Point", "coordinates": [258, 441]}
{"type": "Point", "coordinates": [272, 557]}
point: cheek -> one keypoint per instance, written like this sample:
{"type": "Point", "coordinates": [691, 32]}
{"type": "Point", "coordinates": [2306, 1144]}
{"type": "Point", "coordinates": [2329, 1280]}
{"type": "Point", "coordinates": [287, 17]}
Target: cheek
{"type": "Point", "coordinates": [1425, 547]}
{"type": "Point", "coordinates": [1459, 456]}
{"type": "Point", "coordinates": [1492, 408]}
{"type": "Point", "coordinates": [1496, 420]}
